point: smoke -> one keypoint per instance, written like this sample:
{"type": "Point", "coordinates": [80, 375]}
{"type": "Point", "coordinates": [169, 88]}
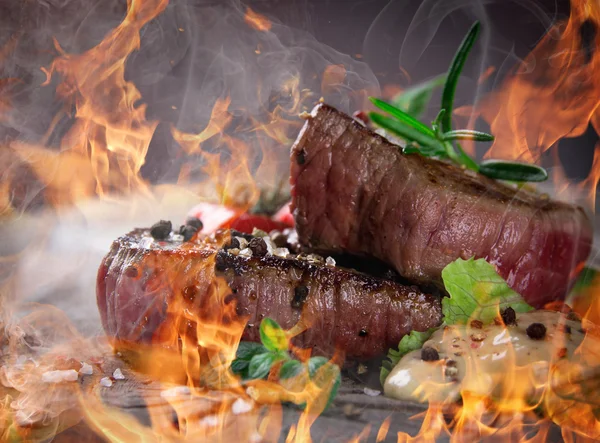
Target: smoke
{"type": "Point", "coordinates": [194, 53]}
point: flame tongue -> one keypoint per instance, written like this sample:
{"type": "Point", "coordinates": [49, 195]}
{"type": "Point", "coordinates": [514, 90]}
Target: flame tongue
{"type": "Point", "coordinates": [553, 93]}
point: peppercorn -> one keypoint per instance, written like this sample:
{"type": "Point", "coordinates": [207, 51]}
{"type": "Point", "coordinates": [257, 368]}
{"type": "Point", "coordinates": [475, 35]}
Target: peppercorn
{"type": "Point", "coordinates": [301, 157]}
{"type": "Point", "coordinates": [363, 333]}
{"type": "Point", "coordinates": [509, 316]}
{"type": "Point", "coordinates": [161, 230]}
{"type": "Point", "coordinates": [188, 232]}
{"type": "Point", "coordinates": [195, 223]}
{"type": "Point", "coordinates": [429, 354]}
{"type": "Point", "coordinates": [300, 295]}
{"type": "Point", "coordinates": [258, 247]}
{"type": "Point", "coordinates": [234, 244]}
{"type": "Point", "coordinates": [536, 331]}
{"type": "Point", "coordinates": [220, 262]}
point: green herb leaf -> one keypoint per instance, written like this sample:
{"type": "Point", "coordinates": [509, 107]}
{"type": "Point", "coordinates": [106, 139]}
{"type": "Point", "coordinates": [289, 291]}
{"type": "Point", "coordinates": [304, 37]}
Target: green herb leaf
{"type": "Point", "coordinates": [513, 171]}
{"type": "Point", "coordinates": [246, 350]}
{"type": "Point", "coordinates": [261, 364]}
{"type": "Point", "coordinates": [454, 73]}
{"type": "Point", "coordinates": [585, 280]}
{"type": "Point", "coordinates": [476, 292]}
{"type": "Point", "coordinates": [290, 369]}
{"type": "Point", "coordinates": [415, 99]}
{"type": "Point", "coordinates": [466, 134]}
{"type": "Point", "coordinates": [272, 336]}
{"type": "Point", "coordinates": [402, 116]}
{"type": "Point", "coordinates": [410, 342]}
{"type": "Point", "coordinates": [323, 372]}
{"type": "Point", "coordinates": [406, 132]}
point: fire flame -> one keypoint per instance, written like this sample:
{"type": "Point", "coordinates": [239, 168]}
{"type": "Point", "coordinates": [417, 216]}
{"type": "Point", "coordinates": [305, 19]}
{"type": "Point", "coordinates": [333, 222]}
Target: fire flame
{"type": "Point", "coordinates": [551, 95]}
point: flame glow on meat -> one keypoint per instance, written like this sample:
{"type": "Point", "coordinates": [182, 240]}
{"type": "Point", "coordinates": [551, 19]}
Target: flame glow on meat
{"type": "Point", "coordinates": [52, 378]}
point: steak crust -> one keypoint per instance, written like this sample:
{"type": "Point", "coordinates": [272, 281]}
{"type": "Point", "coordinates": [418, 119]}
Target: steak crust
{"type": "Point", "coordinates": [141, 282]}
{"type": "Point", "coordinates": [354, 191]}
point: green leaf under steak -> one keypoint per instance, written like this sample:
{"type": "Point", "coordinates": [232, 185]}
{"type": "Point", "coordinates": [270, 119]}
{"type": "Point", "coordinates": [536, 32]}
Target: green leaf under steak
{"type": "Point", "coordinates": [476, 292]}
{"type": "Point", "coordinates": [410, 342]}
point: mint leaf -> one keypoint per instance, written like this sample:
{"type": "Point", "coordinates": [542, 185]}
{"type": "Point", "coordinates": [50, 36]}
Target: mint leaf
{"type": "Point", "coordinates": [323, 372]}
{"type": "Point", "coordinates": [245, 351]}
{"type": "Point", "coordinates": [272, 336]}
{"type": "Point", "coordinates": [290, 369]}
{"type": "Point", "coordinates": [476, 292]}
{"type": "Point", "coordinates": [261, 364]}
{"type": "Point", "coordinates": [410, 342]}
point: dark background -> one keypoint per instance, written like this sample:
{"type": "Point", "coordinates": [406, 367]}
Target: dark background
{"type": "Point", "coordinates": [377, 30]}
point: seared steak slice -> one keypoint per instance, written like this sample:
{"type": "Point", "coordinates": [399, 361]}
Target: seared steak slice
{"type": "Point", "coordinates": [354, 191]}
{"type": "Point", "coordinates": [142, 283]}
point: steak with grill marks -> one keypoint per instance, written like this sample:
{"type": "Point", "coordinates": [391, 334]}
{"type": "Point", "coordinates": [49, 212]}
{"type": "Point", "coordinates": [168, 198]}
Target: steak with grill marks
{"type": "Point", "coordinates": [354, 191]}
{"type": "Point", "coordinates": [142, 282]}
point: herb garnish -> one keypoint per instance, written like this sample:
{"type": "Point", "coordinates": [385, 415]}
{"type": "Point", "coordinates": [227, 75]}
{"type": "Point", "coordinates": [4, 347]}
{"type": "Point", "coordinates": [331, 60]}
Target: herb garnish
{"type": "Point", "coordinates": [440, 140]}
{"type": "Point", "coordinates": [476, 292]}
{"type": "Point", "coordinates": [256, 361]}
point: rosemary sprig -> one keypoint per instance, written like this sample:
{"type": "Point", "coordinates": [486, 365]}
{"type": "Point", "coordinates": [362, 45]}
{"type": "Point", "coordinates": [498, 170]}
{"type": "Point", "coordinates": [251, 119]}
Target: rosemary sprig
{"type": "Point", "coordinates": [440, 140]}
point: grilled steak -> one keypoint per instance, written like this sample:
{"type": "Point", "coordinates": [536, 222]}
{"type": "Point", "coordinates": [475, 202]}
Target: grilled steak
{"type": "Point", "coordinates": [141, 282]}
{"type": "Point", "coordinates": [354, 191]}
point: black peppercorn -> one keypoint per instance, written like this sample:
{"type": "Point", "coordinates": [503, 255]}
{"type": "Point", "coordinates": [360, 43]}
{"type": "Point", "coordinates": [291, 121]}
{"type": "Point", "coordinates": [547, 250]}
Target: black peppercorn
{"type": "Point", "coordinates": [301, 157]}
{"type": "Point", "coordinates": [234, 244]}
{"type": "Point", "coordinates": [536, 331]}
{"type": "Point", "coordinates": [300, 295]}
{"type": "Point", "coordinates": [196, 223]}
{"type": "Point", "coordinates": [220, 262]}
{"type": "Point", "coordinates": [258, 247]}
{"type": "Point", "coordinates": [363, 333]}
{"type": "Point", "coordinates": [509, 316]}
{"type": "Point", "coordinates": [429, 354]}
{"type": "Point", "coordinates": [188, 232]}
{"type": "Point", "coordinates": [161, 230]}
{"type": "Point", "coordinates": [567, 329]}
{"type": "Point", "coordinates": [280, 240]}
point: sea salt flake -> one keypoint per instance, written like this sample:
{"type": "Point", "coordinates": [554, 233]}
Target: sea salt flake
{"type": "Point", "coordinates": [86, 369]}
{"type": "Point", "coordinates": [371, 392]}
{"type": "Point", "coordinates": [240, 406]}
{"type": "Point", "coordinates": [60, 376]}
{"type": "Point", "coordinates": [330, 261]}
{"type": "Point", "coordinates": [176, 391]}
{"type": "Point", "coordinates": [106, 382]}
{"type": "Point", "coordinates": [243, 242]}
{"type": "Point", "coordinates": [118, 374]}
{"type": "Point", "coordinates": [247, 252]}
{"type": "Point", "coordinates": [271, 246]}
{"type": "Point", "coordinates": [281, 252]}
{"type": "Point", "coordinates": [210, 420]}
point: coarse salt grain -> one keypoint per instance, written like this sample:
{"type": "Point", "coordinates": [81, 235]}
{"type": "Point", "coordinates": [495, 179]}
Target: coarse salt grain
{"type": "Point", "coordinates": [176, 392]}
{"type": "Point", "coordinates": [247, 252]}
{"type": "Point", "coordinates": [281, 252]}
{"type": "Point", "coordinates": [243, 242]}
{"type": "Point", "coordinates": [371, 392]}
{"type": "Point", "coordinates": [60, 376]}
{"type": "Point", "coordinates": [118, 374]}
{"type": "Point", "coordinates": [209, 420]}
{"type": "Point", "coordinates": [86, 369]}
{"type": "Point", "coordinates": [271, 246]}
{"type": "Point", "coordinates": [106, 382]}
{"type": "Point", "coordinates": [241, 406]}
{"type": "Point", "coordinates": [330, 261]}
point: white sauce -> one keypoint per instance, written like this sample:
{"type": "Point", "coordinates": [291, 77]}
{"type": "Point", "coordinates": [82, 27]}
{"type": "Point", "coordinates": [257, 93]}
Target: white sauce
{"type": "Point", "coordinates": [485, 361]}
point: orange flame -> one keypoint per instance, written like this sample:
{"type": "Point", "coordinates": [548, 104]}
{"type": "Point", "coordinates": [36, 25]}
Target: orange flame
{"type": "Point", "coordinates": [257, 21]}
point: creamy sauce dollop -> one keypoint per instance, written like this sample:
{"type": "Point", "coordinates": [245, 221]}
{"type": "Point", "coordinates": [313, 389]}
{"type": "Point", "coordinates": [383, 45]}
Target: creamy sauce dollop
{"type": "Point", "coordinates": [486, 359]}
